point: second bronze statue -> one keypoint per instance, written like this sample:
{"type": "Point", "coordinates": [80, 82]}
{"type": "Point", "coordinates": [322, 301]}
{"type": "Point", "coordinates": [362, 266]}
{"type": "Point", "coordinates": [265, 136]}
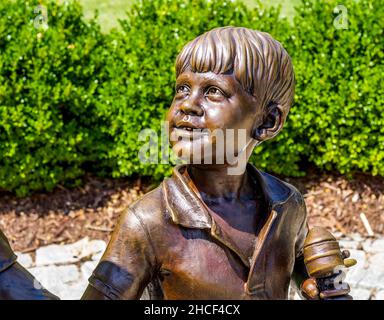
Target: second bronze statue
{"type": "Point", "coordinates": [16, 283]}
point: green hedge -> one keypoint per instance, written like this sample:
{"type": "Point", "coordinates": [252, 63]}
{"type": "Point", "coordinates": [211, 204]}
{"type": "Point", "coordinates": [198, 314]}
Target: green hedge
{"type": "Point", "coordinates": [74, 100]}
{"type": "Point", "coordinates": [47, 84]}
{"type": "Point", "coordinates": [339, 112]}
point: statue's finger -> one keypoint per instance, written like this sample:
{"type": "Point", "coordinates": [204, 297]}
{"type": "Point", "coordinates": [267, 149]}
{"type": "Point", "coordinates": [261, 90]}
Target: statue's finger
{"type": "Point", "coordinates": [309, 289]}
{"type": "Point", "coordinates": [334, 293]}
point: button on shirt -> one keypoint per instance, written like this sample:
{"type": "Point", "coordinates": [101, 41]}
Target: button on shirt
{"type": "Point", "coordinates": [169, 242]}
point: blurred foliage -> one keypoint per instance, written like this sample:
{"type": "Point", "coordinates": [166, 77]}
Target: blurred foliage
{"type": "Point", "coordinates": [73, 99]}
{"type": "Point", "coordinates": [49, 130]}
{"type": "Point", "coordinates": [338, 117]}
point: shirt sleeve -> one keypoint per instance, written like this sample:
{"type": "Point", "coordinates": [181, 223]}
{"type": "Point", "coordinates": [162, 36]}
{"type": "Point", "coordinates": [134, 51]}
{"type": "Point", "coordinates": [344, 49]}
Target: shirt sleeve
{"type": "Point", "coordinates": [128, 264]}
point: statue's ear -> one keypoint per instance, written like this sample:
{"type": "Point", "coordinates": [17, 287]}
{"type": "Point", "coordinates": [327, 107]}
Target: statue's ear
{"type": "Point", "coordinates": [271, 125]}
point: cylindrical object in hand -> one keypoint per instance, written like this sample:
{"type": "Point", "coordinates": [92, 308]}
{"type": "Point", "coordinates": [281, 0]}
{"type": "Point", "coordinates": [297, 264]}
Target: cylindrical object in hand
{"type": "Point", "coordinates": [323, 260]}
{"type": "Point", "coordinates": [322, 253]}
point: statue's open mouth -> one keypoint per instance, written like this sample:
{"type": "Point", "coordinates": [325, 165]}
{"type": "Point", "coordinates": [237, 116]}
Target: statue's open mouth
{"type": "Point", "coordinates": [188, 128]}
{"type": "Point", "coordinates": [188, 131]}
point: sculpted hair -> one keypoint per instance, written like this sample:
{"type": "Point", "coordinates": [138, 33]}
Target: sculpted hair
{"type": "Point", "coordinates": [259, 62]}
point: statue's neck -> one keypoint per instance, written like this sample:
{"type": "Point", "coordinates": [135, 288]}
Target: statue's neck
{"type": "Point", "coordinates": [215, 182]}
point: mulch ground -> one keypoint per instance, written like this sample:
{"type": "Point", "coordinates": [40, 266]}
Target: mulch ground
{"type": "Point", "coordinates": [65, 216]}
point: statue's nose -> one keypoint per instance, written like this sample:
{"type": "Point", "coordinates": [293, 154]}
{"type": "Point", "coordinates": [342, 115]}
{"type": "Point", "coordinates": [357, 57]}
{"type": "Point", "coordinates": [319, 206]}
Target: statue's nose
{"type": "Point", "coordinates": [192, 107]}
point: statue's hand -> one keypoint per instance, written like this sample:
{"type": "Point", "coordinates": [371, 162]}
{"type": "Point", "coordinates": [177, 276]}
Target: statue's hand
{"type": "Point", "coordinates": [310, 290]}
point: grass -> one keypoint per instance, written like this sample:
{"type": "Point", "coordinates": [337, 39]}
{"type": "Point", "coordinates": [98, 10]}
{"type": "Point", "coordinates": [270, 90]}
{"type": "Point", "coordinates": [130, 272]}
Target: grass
{"type": "Point", "coordinates": [287, 6]}
{"type": "Point", "coordinates": [111, 11]}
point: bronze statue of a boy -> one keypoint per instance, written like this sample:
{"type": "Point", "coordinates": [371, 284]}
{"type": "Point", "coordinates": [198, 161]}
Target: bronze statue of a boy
{"type": "Point", "coordinates": [204, 233]}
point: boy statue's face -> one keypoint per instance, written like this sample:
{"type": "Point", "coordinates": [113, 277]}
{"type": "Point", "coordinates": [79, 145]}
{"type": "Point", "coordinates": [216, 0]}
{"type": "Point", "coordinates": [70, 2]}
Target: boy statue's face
{"type": "Point", "coordinates": [211, 115]}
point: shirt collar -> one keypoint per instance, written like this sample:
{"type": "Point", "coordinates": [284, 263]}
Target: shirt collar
{"type": "Point", "coordinates": [186, 207]}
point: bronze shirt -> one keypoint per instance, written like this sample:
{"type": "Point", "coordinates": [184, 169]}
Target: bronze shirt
{"type": "Point", "coordinates": [168, 241]}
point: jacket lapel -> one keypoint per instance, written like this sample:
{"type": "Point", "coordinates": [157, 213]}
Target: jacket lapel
{"type": "Point", "coordinates": [183, 204]}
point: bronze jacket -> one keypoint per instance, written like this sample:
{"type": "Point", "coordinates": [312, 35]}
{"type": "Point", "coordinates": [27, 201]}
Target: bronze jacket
{"type": "Point", "coordinates": [16, 283]}
{"type": "Point", "coordinates": [168, 241]}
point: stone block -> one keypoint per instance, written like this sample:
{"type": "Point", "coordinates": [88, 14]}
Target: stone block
{"type": "Point", "coordinates": [376, 246]}
{"type": "Point", "coordinates": [25, 260]}
{"type": "Point", "coordinates": [55, 278]}
{"type": "Point", "coordinates": [374, 277]}
{"type": "Point", "coordinates": [359, 271]}
{"type": "Point", "coordinates": [379, 295]}
{"type": "Point", "coordinates": [87, 269]}
{"type": "Point", "coordinates": [348, 244]}
{"type": "Point", "coordinates": [361, 293]}
{"type": "Point", "coordinates": [72, 253]}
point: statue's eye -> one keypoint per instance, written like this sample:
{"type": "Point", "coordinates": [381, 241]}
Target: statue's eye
{"type": "Point", "coordinates": [182, 89]}
{"type": "Point", "coordinates": [214, 91]}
